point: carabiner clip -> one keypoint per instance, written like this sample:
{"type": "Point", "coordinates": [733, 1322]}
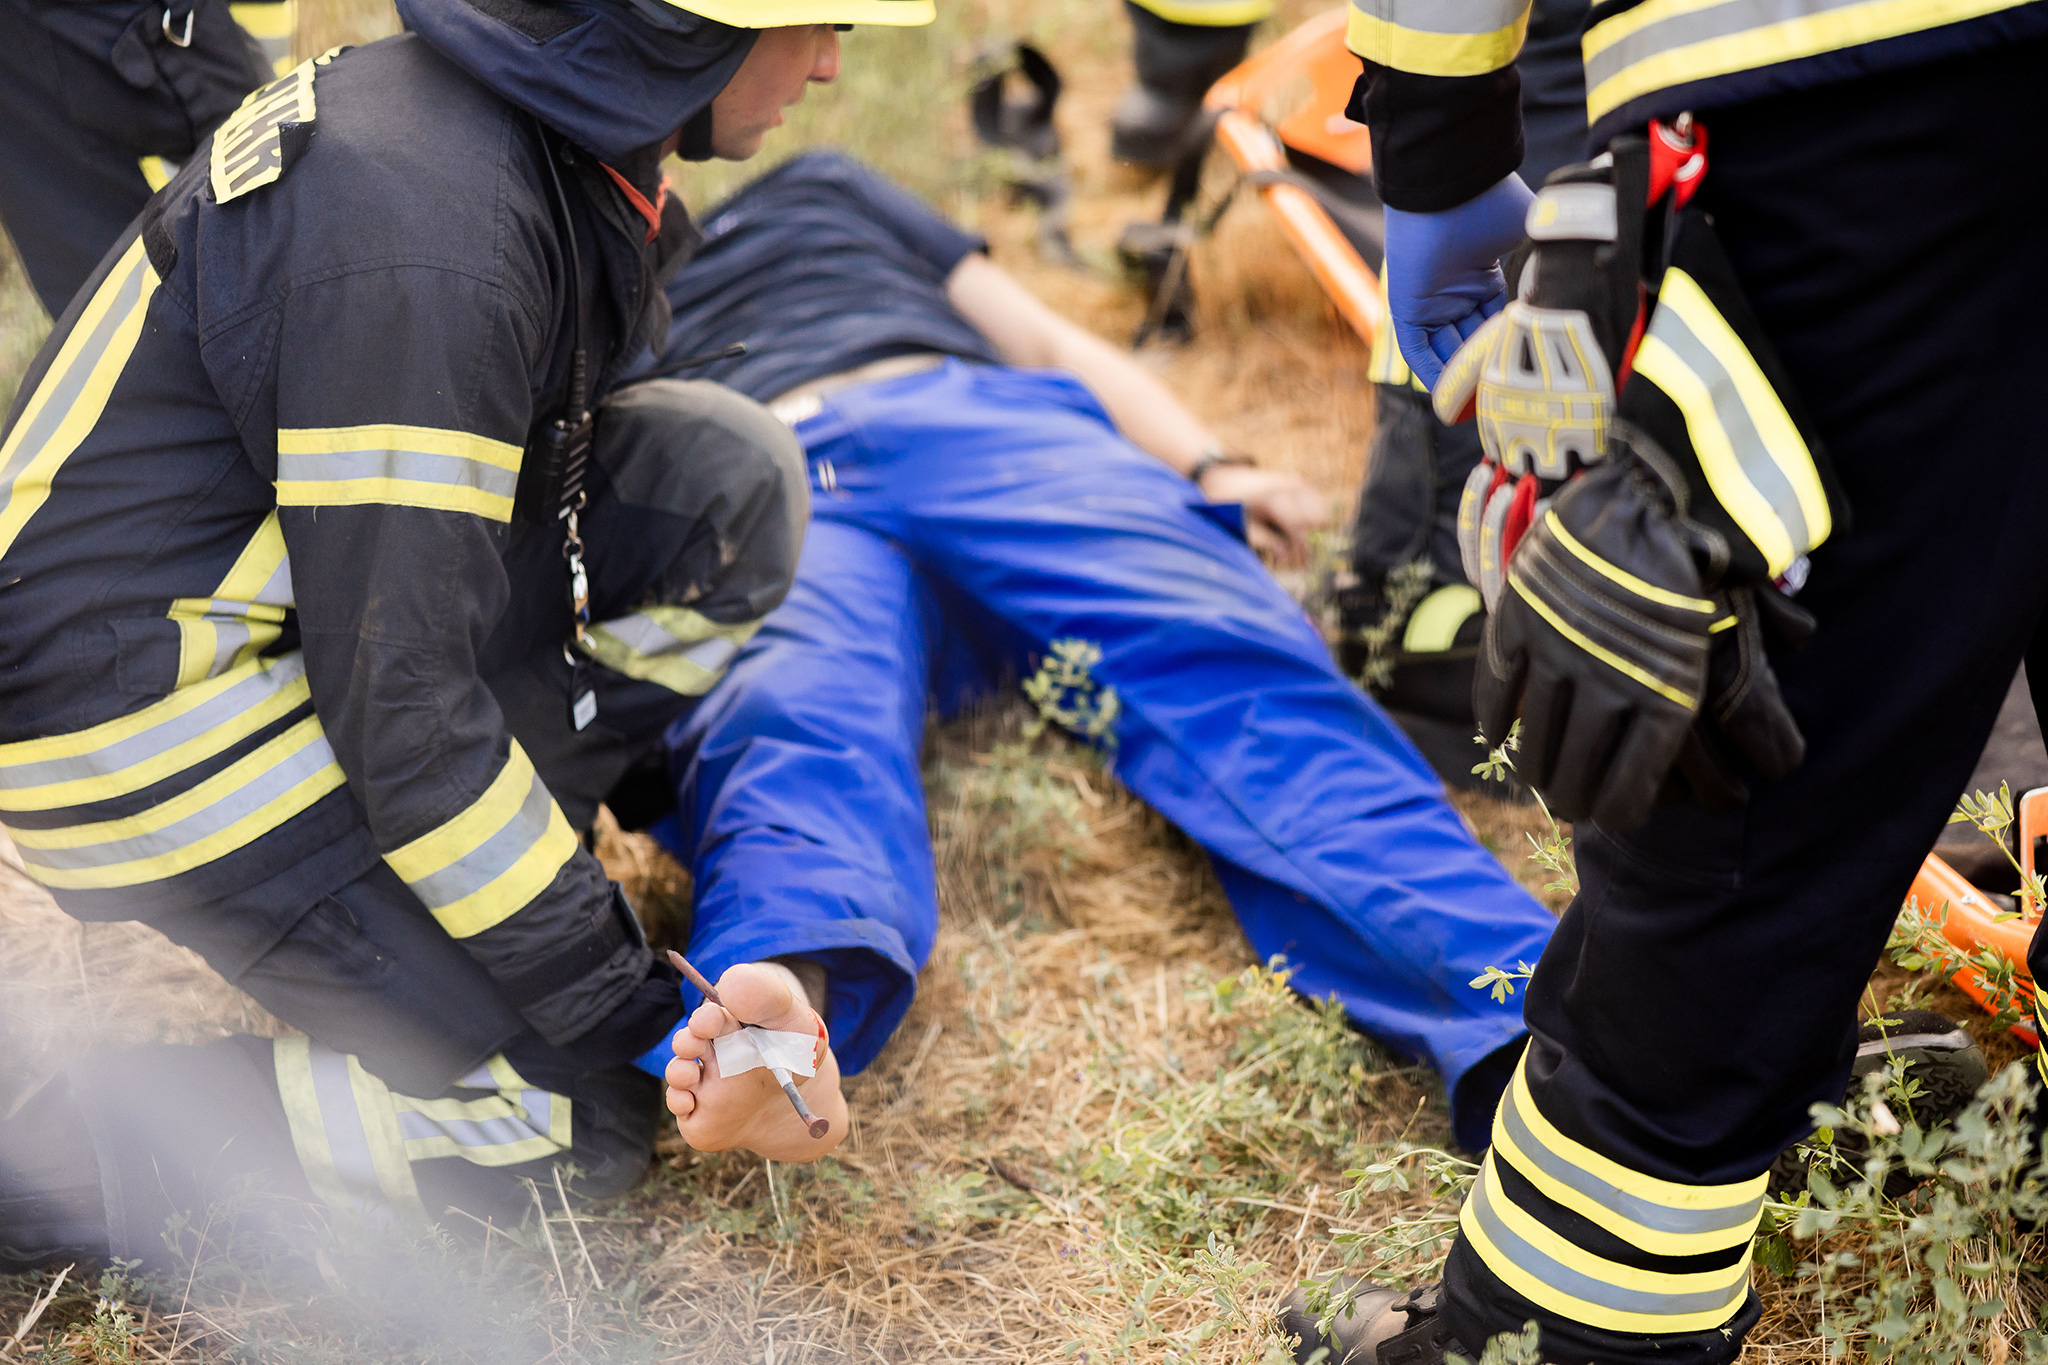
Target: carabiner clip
{"type": "Point", "coordinates": [177, 40]}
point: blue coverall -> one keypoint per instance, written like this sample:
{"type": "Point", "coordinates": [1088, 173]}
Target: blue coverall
{"type": "Point", "coordinates": [963, 518]}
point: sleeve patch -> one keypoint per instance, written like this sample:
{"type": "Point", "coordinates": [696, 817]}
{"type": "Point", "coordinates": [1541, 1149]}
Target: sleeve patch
{"type": "Point", "coordinates": [262, 139]}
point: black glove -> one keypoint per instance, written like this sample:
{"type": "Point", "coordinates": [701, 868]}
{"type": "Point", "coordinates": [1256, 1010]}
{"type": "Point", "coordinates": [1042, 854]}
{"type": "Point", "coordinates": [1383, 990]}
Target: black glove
{"type": "Point", "coordinates": [1601, 640]}
{"type": "Point", "coordinates": [1745, 715]}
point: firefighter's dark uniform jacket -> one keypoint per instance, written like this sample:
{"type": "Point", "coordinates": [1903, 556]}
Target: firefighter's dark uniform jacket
{"type": "Point", "coordinates": [1440, 90]}
{"type": "Point", "coordinates": [257, 492]}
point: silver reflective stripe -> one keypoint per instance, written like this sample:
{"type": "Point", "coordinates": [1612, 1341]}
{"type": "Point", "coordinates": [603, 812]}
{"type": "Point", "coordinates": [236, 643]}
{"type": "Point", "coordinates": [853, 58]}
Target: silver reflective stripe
{"type": "Point", "coordinates": [1747, 443]}
{"type": "Point", "coordinates": [413, 466]}
{"type": "Point", "coordinates": [489, 860]}
{"type": "Point", "coordinates": [62, 394]}
{"type": "Point", "coordinates": [347, 1143]}
{"type": "Point", "coordinates": [1723, 20]}
{"type": "Point", "coordinates": [1572, 213]}
{"type": "Point", "coordinates": [530, 1123]}
{"type": "Point", "coordinates": [1556, 1275]}
{"type": "Point", "coordinates": [308, 759]}
{"type": "Point", "coordinates": [1660, 1217]}
{"type": "Point", "coordinates": [1453, 17]}
{"type": "Point", "coordinates": [277, 589]}
{"type": "Point", "coordinates": [162, 737]}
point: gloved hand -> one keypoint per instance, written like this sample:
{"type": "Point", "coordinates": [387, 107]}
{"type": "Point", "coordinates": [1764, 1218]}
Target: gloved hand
{"type": "Point", "coordinates": [1600, 640]}
{"type": "Point", "coordinates": [1443, 272]}
{"type": "Point", "coordinates": [1745, 714]}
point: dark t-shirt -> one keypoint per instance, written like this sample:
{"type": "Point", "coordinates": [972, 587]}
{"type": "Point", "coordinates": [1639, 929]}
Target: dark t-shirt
{"type": "Point", "coordinates": [819, 266]}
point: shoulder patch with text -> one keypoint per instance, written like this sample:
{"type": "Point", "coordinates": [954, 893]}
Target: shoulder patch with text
{"type": "Point", "coordinates": [262, 139]}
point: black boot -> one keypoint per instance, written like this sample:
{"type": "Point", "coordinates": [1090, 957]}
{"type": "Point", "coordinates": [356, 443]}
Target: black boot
{"type": "Point", "coordinates": [1384, 1327]}
{"type": "Point", "coordinates": [50, 1202]}
{"type": "Point", "coordinates": [1938, 1055]}
{"type": "Point", "coordinates": [1177, 63]}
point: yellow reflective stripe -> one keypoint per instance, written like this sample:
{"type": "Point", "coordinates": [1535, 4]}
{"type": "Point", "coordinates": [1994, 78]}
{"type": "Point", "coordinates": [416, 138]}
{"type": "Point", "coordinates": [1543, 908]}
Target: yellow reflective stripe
{"type": "Point", "coordinates": [498, 1130]}
{"type": "Point", "coordinates": [486, 864]}
{"type": "Point", "coordinates": [298, 749]}
{"type": "Point", "coordinates": [271, 23]}
{"type": "Point", "coordinates": [1782, 443]}
{"type": "Point", "coordinates": [1725, 623]}
{"type": "Point", "coordinates": [157, 172]}
{"type": "Point", "coordinates": [676, 647]}
{"type": "Point", "coordinates": [400, 466]}
{"type": "Point", "coordinates": [1615, 574]}
{"type": "Point", "coordinates": [245, 613]}
{"type": "Point", "coordinates": [1745, 503]}
{"type": "Point", "coordinates": [1208, 13]}
{"type": "Point", "coordinates": [1385, 40]}
{"type": "Point", "coordinates": [1698, 1219]}
{"type": "Point", "coordinates": [289, 1057]}
{"type": "Point", "coordinates": [156, 736]}
{"type": "Point", "coordinates": [1605, 656]}
{"type": "Point", "coordinates": [1751, 46]}
{"type": "Point", "coordinates": [69, 402]}
{"type": "Point", "coordinates": [1563, 1278]}
{"type": "Point", "coordinates": [1668, 1193]}
{"type": "Point", "coordinates": [378, 1113]}
{"type": "Point", "coordinates": [1433, 625]}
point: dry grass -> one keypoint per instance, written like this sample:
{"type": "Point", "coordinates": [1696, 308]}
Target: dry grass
{"type": "Point", "coordinates": [1036, 1159]}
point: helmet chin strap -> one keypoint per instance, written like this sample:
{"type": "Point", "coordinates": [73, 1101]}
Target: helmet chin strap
{"type": "Point", "coordinates": [696, 141]}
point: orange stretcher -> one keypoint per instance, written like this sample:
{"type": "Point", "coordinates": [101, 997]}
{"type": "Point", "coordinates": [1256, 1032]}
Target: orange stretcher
{"type": "Point", "coordinates": [1280, 117]}
{"type": "Point", "coordinates": [1973, 921]}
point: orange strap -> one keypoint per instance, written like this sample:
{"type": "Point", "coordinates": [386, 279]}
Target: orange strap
{"type": "Point", "coordinates": [650, 211]}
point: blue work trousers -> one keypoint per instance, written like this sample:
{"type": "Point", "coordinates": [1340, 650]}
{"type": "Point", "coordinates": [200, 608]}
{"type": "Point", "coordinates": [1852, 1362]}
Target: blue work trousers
{"type": "Point", "coordinates": [965, 517]}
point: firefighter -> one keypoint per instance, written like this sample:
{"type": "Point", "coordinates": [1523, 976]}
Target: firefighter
{"type": "Point", "coordinates": [1763, 384]}
{"type": "Point", "coordinates": [1179, 48]}
{"type": "Point", "coordinates": [1416, 470]}
{"type": "Point", "coordinates": [333, 611]}
{"type": "Point", "coordinates": [101, 103]}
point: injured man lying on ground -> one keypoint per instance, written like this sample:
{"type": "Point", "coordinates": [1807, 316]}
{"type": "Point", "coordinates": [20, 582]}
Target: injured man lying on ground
{"type": "Point", "coordinates": [987, 480]}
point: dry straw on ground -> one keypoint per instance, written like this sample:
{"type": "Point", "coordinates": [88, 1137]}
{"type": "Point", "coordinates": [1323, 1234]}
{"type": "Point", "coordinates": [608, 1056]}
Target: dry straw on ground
{"type": "Point", "coordinates": [1092, 1128]}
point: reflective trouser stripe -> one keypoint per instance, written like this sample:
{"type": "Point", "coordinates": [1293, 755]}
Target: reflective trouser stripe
{"type": "Point", "coordinates": [398, 466]}
{"type": "Point", "coordinates": [244, 614]}
{"type": "Point", "coordinates": [131, 752]}
{"type": "Point", "coordinates": [484, 866]}
{"type": "Point", "coordinates": [1438, 37]}
{"type": "Point", "coordinates": [356, 1139]}
{"type": "Point", "coordinates": [157, 172]}
{"type": "Point", "coordinates": [676, 647]}
{"type": "Point", "coordinates": [345, 1130]}
{"type": "Point", "coordinates": [1663, 43]}
{"type": "Point", "coordinates": [67, 405]}
{"type": "Point", "coordinates": [1755, 460]}
{"type": "Point", "coordinates": [1561, 1277]}
{"type": "Point", "coordinates": [1660, 1218]}
{"type": "Point", "coordinates": [1208, 13]}
{"type": "Point", "coordinates": [519, 1123]}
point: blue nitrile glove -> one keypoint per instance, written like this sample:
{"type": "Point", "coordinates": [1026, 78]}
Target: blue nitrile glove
{"type": "Point", "coordinates": [1443, 272]}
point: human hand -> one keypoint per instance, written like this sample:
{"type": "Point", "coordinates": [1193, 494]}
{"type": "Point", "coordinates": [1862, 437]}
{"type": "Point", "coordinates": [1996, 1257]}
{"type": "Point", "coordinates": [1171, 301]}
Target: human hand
{"type": "Point", "coordinates": [715, 1112]}
{"type": "Point", "coordinates": [1280, 509]}
{"type": "Point", "coordinates": [1443, 272]}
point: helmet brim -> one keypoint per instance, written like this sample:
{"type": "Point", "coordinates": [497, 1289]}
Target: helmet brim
{"type": "Point", "coordinates": [787, 13]}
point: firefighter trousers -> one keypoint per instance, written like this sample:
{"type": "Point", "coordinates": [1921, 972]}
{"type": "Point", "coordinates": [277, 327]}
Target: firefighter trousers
{"type": "Point", "coordinates": [418, 1084]}
{"type": "Point", "coordinates": [1701, 991]}
{"type": "Point", "coordinates": [99, 103]}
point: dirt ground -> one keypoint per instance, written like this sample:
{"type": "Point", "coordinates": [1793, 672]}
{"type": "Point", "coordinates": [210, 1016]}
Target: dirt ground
{"type": "Point", "coordinates": [1095, 1136]}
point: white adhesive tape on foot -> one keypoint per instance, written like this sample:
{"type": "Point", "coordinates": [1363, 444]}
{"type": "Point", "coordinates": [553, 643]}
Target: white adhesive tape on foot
{"type": "Point", "coordinates": [743, 1051]}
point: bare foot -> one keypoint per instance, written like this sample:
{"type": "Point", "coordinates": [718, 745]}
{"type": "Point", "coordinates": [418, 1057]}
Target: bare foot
{"type": "Point", "coordinates": [715, 1112]}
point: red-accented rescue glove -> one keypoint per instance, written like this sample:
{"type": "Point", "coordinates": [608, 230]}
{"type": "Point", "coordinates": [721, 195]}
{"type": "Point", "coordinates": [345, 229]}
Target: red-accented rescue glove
{"type": "Point", "coordinates": [1600, 642]}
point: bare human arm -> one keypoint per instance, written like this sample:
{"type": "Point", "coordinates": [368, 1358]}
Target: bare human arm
{"type": "Point", "coordinates": [1281, 509]}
